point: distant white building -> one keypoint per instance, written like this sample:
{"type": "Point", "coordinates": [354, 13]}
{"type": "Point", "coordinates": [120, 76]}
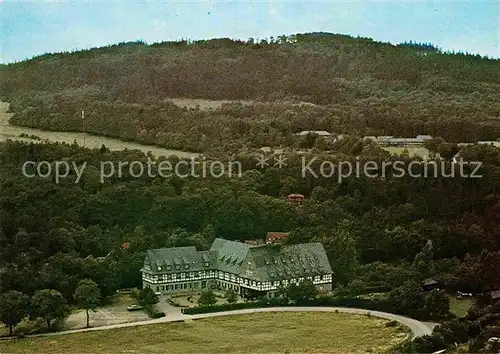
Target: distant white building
{"type": "Point", "coordinates": [317, 132]}
{"type": "Point", "coordinates": [389, 140]}
{"type": "Point", "coordinates": [493, 143]}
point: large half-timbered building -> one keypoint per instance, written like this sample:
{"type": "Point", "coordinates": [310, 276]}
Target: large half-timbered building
{"type": "Point", "coordinates": [234, 265]}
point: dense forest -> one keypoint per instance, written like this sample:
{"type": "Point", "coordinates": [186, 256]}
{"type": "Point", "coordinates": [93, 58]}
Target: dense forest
{"type": "Point", "coordinates": [54, 233]}
{"type": "Point", "coordinates": [378, 232]}
{"type": "Point", "coordinates": [315, 81]}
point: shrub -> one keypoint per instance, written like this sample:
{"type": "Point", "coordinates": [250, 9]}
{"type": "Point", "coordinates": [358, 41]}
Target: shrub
{"type": "Point", "coordinates": [207, 297]}
{"type": "Point", "coordinates": [158, 315]}
{"type": "Point", "coordinates": [369, 304]}
{"type": "Point", "coordinates": [391, 323]}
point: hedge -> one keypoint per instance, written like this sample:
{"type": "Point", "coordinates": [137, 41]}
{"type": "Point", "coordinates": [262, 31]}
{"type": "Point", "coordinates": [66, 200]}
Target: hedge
{"type": "Point", "coordinates": [158, 315]}
{"type": "Point", "coordinates": [368, 304]}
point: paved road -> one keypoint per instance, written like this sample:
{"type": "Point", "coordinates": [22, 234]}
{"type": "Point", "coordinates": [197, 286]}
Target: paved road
{"type": "Point", "coordinates": [418, 328]}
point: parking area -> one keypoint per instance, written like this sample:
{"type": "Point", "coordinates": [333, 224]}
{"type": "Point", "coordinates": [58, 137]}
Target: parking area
{"type": "Point", "coordinates": [114, 313]}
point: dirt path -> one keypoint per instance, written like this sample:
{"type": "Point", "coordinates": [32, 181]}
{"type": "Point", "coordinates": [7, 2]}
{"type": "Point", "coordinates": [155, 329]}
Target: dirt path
{"type": "Point", "coordinates": [9, 131]}
{"type": "Point", "coordinates": [417, 328]}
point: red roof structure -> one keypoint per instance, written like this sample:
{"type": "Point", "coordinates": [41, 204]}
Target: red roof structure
{"type": "Point", "coordinates": [125, 245]}
{"type": "Point", "coordinates": [295, 198]}
{"type": "Point", "coordinates": [273, 237]}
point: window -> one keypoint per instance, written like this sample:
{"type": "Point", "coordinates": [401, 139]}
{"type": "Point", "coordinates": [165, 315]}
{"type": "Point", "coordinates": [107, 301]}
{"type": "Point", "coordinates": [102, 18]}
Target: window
{"type": "Point", "coordinates": [159, 268]}
{"type": "Point", "coordinates": [186, 266]}
{"type": "Point", "coordinates": [207, 264]}
{"type": "Point", "coordinates": [169, 267]}
{"type": "Point", "coordinates": [177, 266]}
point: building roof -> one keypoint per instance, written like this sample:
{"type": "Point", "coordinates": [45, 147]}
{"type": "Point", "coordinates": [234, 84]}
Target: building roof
{"type": "Point", "coordinates": [292, 261]}
{"type": "Point", "coordinates": [317, 132]}
{"type": "Point", "coordinates": [178, 258]}
{"type": "Point", "coordinates": [424, 137]}
{"type": "Point", "coordinates": [405, 140]}
{"type": "Point", "coordinates": [230, 254]}
{"type": "Point", "coordinates": [429, 281]}
{"type": "Point", "coordinates": [275, 236]}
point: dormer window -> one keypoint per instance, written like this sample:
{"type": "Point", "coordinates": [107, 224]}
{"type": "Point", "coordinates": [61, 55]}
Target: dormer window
{"type": "Point", "coordinates": [159, 267]}
{"type": "Point", "coordinates": [186, 266]}
{"type": "Point", "coordinates": [177, 266]}
{"type": "Point", "coordinates": [207, 264]}
{"type": "Point", "coordinates": [169, 267]}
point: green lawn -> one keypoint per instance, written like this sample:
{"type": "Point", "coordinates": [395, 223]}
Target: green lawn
{"type": "Point", "coordinates": [459, 307]}
{"type": "Point", "coordinates": [260, 332]}
{"type": "Point", "coordinates": [412, 151]}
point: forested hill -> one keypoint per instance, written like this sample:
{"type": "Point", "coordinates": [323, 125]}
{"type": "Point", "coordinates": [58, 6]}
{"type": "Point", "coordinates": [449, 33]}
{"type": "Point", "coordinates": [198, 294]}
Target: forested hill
{"type": "Point", "coordinates": [354, 85]}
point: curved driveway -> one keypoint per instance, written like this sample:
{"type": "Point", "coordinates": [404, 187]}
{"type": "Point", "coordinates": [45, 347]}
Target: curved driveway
{"type": "Point", "coordinates": [418, 328]}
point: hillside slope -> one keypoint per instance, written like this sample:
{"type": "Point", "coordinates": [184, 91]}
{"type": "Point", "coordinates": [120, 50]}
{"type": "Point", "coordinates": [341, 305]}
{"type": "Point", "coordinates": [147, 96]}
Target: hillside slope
{"type": "Point", "coordinates": [353, 85]}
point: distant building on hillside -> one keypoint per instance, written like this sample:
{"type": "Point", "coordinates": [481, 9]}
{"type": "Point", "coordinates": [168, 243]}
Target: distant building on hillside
{"type": "Point", "coordinates": [492, 143]}
{"type": "Point", "coordinates": [250, 271]}
{"type": "Point", "coordinates": [430, 284]}
{"type": "Point", "coordinates": [389, 140]}
{"type": "Point", "coordinates": [317, 132]}
{"type": "Point", "coordinates": [404, 142]}
{"type": "Point", "coordinates": [274, 237]}
{"type": "Point", "coordinates": [295, 198]}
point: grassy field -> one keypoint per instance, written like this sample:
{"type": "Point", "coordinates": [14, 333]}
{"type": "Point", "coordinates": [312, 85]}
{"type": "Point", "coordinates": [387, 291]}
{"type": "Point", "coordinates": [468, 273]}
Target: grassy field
{"type": "Point", "coordinates": [412, 151]}
{"type": "Point", "coordinates": [459, 307]}
{"type": "Point", "coordinates": [261, 332]}
{"type": "Point", "coordinates": [13, 132]}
